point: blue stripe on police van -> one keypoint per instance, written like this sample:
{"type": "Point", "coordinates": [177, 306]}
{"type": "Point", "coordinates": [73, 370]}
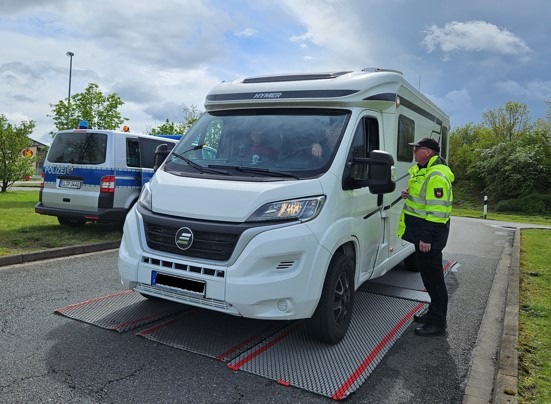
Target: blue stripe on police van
{"type": "Point", "coordinates": [91, 176]}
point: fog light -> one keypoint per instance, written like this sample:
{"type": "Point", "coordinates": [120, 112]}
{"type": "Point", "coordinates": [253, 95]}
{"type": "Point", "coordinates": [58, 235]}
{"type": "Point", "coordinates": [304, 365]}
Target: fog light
{"type": "Point", "coordinates": [282, 305]}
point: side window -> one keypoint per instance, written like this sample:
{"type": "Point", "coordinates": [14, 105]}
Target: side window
{"type": "Point", "coordinates": [147, 151]}
{"type": "Point", "coordinates": [365, 140]}
{"type": "Point", "coordinates": [406, 135]}
{"type": "Point", "coordinates": [444, 143]}
{"type": "Point", "coordinates": [132, 153]}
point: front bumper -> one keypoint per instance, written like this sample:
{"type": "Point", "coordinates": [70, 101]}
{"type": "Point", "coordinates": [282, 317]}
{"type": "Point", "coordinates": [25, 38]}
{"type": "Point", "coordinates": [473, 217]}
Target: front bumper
{"type": "Point", "coordinates": [278, 274]}
{"type": "Point", "coordinates": [102, 215]}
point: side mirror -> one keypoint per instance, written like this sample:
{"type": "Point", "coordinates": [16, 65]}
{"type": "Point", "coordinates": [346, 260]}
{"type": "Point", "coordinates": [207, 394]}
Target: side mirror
{"type": "Point", "coordinates": [161, 152]}
{"type": "Point", "coordinates": [379, 172]}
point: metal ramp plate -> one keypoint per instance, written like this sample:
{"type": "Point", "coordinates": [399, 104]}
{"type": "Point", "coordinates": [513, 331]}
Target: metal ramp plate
{"type": "Point", "coordinates": [292, 357]}
{"type": "Point", "coordinates": [402, 278]}
{"type": "Point", "coordinates": [402, 283]}
{"type": "Point", "coordinates": [120, 312]}
{"type": "Point", "coordinates": [216, 335]}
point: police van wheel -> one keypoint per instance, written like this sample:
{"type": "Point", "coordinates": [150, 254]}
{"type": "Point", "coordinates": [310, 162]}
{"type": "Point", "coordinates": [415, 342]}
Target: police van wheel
{"type": "Point", "coordinates": [64, 221]}
{"type": "Point", "coordinates": [332, 316]}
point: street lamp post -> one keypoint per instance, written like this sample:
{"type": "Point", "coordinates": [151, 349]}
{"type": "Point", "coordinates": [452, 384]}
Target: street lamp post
{"type": "Point", "coordinates": [70, 54]}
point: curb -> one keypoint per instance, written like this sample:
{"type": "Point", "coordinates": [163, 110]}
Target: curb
{"type": "Point", "coordinates": [506, 381]}
{"type": "Point", "coordinates": [493, 375]}
{"type": "Point", "coordinates": [57, 252]}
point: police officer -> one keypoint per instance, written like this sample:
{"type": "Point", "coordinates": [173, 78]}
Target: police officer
{"type": "Point", "coordinates": [425, 222]}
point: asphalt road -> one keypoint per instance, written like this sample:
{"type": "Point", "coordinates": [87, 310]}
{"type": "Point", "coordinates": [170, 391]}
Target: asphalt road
{"type": "Point", "coordinates": [49, 358]}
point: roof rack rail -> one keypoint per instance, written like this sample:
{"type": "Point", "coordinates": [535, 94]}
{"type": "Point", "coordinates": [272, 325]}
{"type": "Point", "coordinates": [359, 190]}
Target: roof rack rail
{"type": "Point", "coordinates": [294, 77]}
{"type": "Point", "coordinates": [380, 69]}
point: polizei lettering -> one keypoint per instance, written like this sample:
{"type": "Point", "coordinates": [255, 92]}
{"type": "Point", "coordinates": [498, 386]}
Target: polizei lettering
{"type": "Point", "coordinates": [267, 95]}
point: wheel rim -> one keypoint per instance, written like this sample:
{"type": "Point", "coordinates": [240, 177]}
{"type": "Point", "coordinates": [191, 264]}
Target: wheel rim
{"type": "Point", "coordinates": [342, 298]}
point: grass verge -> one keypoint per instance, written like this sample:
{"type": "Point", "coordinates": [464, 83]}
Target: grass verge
{"type": "Point", "coordinates": [535, 317]}
{"type": "Point", "coordinates": [22, 230]}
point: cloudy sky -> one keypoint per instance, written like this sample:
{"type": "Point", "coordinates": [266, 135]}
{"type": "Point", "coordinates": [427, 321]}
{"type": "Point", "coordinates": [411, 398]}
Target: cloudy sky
{"type": "Point", "coordinates": [160, 56]}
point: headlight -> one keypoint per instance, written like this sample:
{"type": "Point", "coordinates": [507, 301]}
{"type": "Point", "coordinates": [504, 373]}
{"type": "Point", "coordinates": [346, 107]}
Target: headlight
{"type": "Point", "coordinates": [145, 197]}
{"type": "Point", "coordinates": [300, 209]}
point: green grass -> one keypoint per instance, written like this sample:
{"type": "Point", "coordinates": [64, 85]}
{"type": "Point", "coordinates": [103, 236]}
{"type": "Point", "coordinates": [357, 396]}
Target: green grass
{"type": "Point", "coordinates": [22, 230]}
{"type": "Point", "coordinates": [535, 317]}
{"type": "Point", "coordinates": [502, 217]}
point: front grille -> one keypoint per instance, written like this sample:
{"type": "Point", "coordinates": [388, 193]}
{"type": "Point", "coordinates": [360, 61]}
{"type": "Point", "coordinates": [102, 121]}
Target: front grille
{"type": "Point", "coordinates": [165, 263]}
{"type": "Point", "coordinates": [207, 245]}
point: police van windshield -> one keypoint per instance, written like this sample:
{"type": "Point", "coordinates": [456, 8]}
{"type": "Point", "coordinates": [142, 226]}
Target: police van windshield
{"type": "Point", "coordinates": [78, 148]}
{"type": "Point", "coordinates": [273, 144]}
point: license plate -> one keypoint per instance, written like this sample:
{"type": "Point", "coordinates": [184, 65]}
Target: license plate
{"type": "Point", "coordinates": [73, 184]}
{"type": "Point", "coordinates": [175, 282]}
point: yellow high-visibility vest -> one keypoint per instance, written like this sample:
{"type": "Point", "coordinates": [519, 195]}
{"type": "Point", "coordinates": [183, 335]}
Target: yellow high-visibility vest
{"type": "Point", "coordinates": [430, 193]}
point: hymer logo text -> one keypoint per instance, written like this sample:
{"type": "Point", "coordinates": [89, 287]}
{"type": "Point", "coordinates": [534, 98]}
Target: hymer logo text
{"type": "Point", "coordinates": [267, 95]}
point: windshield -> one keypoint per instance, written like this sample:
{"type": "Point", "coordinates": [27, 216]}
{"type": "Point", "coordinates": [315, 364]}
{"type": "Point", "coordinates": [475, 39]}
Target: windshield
{"type": "Point", "coordinates": [268, 144]}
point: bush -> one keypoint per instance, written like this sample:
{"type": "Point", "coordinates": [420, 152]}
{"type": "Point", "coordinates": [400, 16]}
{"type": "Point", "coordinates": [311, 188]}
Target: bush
{"type": "Point", "coordinates": [533, 204]}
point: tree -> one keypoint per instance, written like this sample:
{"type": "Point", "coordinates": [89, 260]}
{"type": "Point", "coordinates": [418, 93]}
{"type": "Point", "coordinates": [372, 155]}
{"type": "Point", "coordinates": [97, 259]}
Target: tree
{"type": "Point", "coordinates": [100, 110]}
{"type": "Point", "coordinates": [191, 114]}
{"type": "Point", "coordinates": [519, 167]}
{"type": "Point", "coordinates": [463, 140]}
{"type": "Point", "coordinates": [13, 140]}
{"type": "Point", "coordinates": [508, 122]}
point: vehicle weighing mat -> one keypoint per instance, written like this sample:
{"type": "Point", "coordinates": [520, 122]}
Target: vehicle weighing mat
{"type": "Point", "coordinates": [217, 335]}
{"type": "Point", "coordinates": [122, 311]}
{"type": "Point", "coordinates": [279, 350]}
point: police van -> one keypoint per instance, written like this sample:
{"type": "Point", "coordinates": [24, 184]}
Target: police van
{"type": "Point", "coordinates": [295, 204]}
{"type": "Point", "coordinates": [96, 175]}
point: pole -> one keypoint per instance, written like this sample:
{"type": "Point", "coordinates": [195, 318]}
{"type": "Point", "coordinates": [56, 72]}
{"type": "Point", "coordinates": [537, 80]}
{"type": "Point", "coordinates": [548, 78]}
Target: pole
{"type": "Point", "coordinates": [70, 54]}
{"type": "Point", "coordinates": [485, 206]}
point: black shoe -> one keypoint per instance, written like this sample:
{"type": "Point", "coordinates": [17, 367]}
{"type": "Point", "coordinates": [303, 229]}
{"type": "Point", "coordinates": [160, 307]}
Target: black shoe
{"type": "Point", "coordinates": [428, 330]}
{"type": "Point", "coordinates": [424, 319]}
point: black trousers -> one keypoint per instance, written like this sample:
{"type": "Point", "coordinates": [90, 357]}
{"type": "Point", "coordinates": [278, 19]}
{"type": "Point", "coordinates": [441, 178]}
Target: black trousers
{"type": "Point", "coordinates": [432, 274]}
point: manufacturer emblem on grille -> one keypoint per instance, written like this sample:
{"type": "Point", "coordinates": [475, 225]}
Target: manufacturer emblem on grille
{"type": "Point", "coordinates": [184, 238]}
{"type": "Point", "coordinates": [69, 170]}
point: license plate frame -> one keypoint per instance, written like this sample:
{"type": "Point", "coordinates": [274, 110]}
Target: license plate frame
{"type": "Point", "coordinates": [177, 283]}
{"type": "Point", "coordinates": [70, 184]}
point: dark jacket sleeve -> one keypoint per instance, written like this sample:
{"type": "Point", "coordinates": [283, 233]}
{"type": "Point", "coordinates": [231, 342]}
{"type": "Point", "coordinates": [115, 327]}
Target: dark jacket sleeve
{"type": "Point", "coordinates": [418, 229]}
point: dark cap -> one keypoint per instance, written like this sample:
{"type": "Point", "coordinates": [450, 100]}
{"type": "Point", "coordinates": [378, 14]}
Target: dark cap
{"type": "Point", "coordinates": [428, 143]}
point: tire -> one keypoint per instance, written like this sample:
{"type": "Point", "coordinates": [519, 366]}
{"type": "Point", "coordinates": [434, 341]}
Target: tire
{"type": "Point", "coordinates": [332, 316]}
{"type": "Point", "coordinates": [65, 221]}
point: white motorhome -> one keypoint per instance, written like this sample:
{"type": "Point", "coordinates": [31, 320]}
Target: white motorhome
{"type": "Point", "coordinates": [289, 228]}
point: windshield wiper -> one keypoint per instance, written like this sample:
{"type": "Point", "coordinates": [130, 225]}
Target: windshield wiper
{"type": "Point", "coordinates": [263, 171]}
{"type": "Point", "coordinates": [197, 166]}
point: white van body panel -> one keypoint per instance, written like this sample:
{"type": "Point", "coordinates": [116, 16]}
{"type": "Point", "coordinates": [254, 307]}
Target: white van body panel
{"type": "Point", "coordinates": [226, 201]}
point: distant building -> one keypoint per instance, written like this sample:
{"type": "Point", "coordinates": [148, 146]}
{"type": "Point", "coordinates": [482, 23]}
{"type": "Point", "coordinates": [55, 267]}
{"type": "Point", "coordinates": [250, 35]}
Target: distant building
{"type": "Point", "coordinates": [39, 150]}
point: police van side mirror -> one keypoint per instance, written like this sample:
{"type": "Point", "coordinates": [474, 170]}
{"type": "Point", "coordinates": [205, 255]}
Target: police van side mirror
{"type": "Point", "coordinates": [379, 179]}
{"type": "Point", "coordinates": [161, 152]}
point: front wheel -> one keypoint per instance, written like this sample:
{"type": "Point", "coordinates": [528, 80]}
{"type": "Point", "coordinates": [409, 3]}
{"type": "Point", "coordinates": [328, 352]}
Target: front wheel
{"type": "Point", "coordinates": [332, 316]}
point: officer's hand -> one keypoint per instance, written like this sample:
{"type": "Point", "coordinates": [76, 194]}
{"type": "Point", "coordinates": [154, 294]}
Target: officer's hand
{"type": "Point", "coordinates": [424, 247]}
{"type": "Point", "coordinates": [405, 193]}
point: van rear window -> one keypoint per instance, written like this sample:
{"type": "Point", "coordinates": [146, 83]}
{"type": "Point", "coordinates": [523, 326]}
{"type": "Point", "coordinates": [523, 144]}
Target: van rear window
{"type": "Point", "coordinates": [78, 148]}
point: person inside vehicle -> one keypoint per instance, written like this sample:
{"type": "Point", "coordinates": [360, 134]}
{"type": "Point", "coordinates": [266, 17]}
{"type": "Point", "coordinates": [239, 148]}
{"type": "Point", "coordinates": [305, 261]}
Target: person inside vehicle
{"type": "Point", "coordinates": [259, 149]}
{"type": "Point", "coordinates": [324, 147]}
